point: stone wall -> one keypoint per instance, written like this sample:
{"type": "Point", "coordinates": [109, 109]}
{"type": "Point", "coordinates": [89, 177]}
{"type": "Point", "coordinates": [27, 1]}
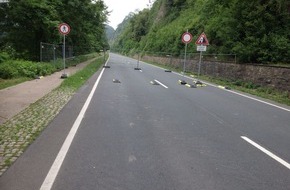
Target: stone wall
{"type": "Point", "coordinates": [275, 77]}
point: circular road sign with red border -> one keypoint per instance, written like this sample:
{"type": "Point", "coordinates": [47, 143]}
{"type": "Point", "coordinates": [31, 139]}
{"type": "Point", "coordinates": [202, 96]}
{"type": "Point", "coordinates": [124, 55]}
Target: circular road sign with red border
{"type": "Point", "coordinates": [64, 28]}
{"type": "Point", "coordinates": [186, 37]}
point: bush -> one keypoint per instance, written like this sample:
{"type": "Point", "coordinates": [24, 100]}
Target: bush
{"type": "Point", "coordinates": [20, 68]}
{"type": "Point", "coordinates": [3, 57]}
{"type": "Point", "coordinates": [8, 72]}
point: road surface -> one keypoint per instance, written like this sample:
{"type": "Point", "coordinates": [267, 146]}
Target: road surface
{"type": "Point", "coordinates": [140, 129]}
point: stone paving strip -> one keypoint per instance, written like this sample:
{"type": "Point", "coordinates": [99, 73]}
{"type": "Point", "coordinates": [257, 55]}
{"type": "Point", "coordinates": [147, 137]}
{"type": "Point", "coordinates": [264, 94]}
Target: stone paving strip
{"type": "Point", "coordinates": [17, 133]}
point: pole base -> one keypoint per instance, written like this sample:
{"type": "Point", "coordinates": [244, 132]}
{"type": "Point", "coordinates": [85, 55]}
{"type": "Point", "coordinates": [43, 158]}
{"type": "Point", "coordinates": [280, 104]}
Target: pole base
{"type": "Point", "coordinates": [64, 76]}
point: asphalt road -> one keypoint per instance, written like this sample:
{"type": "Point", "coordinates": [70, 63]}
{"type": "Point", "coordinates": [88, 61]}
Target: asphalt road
{"type": "Point", "coordinates": [137, 135]}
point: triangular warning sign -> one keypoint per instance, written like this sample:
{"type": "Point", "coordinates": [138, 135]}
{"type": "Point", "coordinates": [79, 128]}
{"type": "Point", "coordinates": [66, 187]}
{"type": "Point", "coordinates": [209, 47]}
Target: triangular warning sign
{"type": "Point", "coordinates": [202, 40]}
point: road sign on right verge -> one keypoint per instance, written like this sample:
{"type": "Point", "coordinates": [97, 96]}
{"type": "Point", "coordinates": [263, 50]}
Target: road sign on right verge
{"type": "Point", "coordinates": [202, 40]}
{"type": "Point", "coordinates": [200, 48]}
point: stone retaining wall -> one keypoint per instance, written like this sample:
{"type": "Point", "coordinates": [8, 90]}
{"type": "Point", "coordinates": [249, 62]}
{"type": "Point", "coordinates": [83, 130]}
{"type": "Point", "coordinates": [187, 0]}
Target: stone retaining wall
{"type": "Point", "coordinates": [275, 77]}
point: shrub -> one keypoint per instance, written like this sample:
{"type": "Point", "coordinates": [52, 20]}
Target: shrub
{"type": "Point", "coordinates": [8, 72]}
{"type": "Point", "coordinates": [3, 57]}
{"type": "Point", "coordinates": [20, 68]}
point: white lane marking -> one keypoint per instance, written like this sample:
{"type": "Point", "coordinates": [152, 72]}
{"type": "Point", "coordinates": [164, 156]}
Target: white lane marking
{"type": "Point", "coordinates": [50, 178]}
{"type": "Point", "coordinates": [285, 109]}
{"type": "Point", "coordinates": [246, 96]}
{"type": "Point", "coordinates": [132, 158]}
{"type": "Point", "coordinates": [280, 160]}
{"type": "Point", "coordinates": [160, 83]}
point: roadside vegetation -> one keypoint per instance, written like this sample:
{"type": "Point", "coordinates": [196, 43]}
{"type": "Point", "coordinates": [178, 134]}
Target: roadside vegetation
{"type": "Point", "coordinates": [13, 72]}
{"type": "Point", "coordinates": [256, 31]}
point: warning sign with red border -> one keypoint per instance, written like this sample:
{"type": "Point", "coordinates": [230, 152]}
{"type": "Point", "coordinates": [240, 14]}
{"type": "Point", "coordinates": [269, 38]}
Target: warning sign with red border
{"type": "Point", "coordinates": [202, 40]}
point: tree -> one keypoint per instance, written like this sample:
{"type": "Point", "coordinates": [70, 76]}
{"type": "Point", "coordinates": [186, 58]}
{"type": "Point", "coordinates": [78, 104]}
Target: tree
{"type": "Point", "coordinates": [33, 21]}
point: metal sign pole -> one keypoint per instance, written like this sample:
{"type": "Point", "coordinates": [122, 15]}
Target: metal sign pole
{"type": "Point", "coordinates": [184, 59]}
{"type": "Point", "coordinates": [64, 54]}
{"type": "Point", "coordinates": [64, 29]}
{"type": "Point", "coordinates": [200, 56]}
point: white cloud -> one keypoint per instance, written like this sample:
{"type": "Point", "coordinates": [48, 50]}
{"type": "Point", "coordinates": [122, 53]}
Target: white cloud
{"type": "Point", "coordinates": [121, 8]}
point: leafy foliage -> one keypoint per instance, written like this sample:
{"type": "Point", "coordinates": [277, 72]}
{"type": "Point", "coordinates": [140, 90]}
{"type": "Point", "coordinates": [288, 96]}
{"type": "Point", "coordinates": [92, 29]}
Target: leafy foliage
{"type": "Point", "coordinates": [19, 68]}
{"type": "Point", "coordinates": [257, 31]}
{"type": "Point", "coordinates": [27, 23]}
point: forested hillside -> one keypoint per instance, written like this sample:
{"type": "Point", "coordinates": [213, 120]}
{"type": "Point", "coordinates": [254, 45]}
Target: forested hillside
{"type": "Point", "coordinates": [257, 31]}
{"type": "Point", "coordinates": [24, 24]}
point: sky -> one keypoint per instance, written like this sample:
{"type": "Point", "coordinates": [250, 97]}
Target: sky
{"type": "Point", "coordinates": [121, 8]}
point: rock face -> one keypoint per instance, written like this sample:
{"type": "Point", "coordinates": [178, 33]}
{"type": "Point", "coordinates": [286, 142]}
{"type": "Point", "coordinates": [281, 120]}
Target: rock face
{"type": "Point", "coordinates": [263, 75]}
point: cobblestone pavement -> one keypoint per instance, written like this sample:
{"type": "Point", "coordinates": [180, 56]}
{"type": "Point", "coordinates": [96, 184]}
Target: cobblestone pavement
{"type": "Point", "coordinates": [23, 128]}
{"type": "Point", "coordinates": [17, 133]}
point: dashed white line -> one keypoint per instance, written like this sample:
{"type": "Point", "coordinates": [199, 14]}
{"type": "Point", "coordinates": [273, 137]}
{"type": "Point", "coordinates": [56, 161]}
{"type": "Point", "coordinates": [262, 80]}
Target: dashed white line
{"type": "Point", "coordinates": [278, 159]}
{"type": "Point", "coordinates": [50, 178]}
{"type": "Point", "coordinates": [160, 83]}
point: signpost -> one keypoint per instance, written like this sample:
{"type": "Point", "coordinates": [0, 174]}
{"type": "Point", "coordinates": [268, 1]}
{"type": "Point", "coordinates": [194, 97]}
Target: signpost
{"type": "Point", "coordinates": [64, 29]}
{"type": "Point", "coordinates": [186, 38]}
{"type": "Point", "coordinates": [201, 43]}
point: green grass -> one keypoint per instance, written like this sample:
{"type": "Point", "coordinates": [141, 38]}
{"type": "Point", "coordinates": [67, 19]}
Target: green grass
{"type": "Point", "coordinates": [11, 82]}
{"type": "Point", "coordinates": [78, 79]}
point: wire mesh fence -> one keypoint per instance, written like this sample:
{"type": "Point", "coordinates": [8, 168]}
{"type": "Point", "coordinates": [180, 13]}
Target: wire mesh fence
{"type": "Point", "coordinates": [52, 52]}
{"type": "Point", "coordinates": [210, 64]}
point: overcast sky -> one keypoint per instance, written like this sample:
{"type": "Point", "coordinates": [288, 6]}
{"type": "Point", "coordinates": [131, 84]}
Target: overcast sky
{"type": "Point", "coordinates": [121, 8]}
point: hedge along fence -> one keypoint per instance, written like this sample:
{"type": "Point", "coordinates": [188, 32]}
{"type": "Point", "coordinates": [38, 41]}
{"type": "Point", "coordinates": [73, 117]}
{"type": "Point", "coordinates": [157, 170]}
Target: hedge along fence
{"type": "Point", "coordinates": [19, 68]}
{"type": "Point", "coordinates": [10, 69]}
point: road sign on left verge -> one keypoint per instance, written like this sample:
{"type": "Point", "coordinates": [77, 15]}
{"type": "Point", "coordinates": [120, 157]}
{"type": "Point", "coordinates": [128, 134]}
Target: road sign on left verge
{"type": "Point", "coordinates": [64, 28]}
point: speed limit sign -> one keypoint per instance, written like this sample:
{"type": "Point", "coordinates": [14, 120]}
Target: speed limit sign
{"type": "Point", "coordinates": [64, 28]}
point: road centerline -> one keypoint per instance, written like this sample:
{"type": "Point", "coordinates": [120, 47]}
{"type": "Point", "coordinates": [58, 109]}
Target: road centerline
{"type": "Point", "coordinates": [278, 159]}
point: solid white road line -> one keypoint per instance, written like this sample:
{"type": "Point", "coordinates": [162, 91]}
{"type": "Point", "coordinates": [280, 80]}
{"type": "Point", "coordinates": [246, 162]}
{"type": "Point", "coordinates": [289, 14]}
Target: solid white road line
{"type": "Point", "coordinates": [285, 109]}
{"type": "Point", "coordinates": [281, 161]}
{"type": "Point", "coordinates": [160, 83]}
{"type": "Point", "coordinates": [50, 178]}
{"type": "Point", "coordinates": [237, 93]}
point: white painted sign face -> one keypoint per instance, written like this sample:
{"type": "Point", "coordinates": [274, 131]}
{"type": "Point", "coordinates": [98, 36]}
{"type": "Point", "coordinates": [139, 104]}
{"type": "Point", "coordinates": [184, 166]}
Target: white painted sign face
{"type": "Point", "coordinates": [64, 28]}
{"type": "Point", "coordinates": [201, 48]}
{"type": "Point", "coordinates": [186, 37]}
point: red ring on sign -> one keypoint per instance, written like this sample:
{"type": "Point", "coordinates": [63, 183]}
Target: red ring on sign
{"type": "Point", "coordinates": [186, 37]}
{"type": "Point", "coordinates": [64, 28]}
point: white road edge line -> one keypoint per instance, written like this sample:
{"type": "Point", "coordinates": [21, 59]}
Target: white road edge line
{"type": "Point", "coordinates": [280, 160]}
{"type": "Point", "coordinates": [160, 83]}
{"type": "Point", "coordinates": [237, 93]}
{"type": "Point", "coordinates": [285, 109]}
{"type": "Point", "coordinates": [51, 176]}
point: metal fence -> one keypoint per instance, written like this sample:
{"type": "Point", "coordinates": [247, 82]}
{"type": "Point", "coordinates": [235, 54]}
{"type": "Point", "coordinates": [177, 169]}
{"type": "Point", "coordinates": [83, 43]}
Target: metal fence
{"type": "Point", "coordinates": [191, 63]}
{"type": "Point", "coordinates": [52, 52]}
